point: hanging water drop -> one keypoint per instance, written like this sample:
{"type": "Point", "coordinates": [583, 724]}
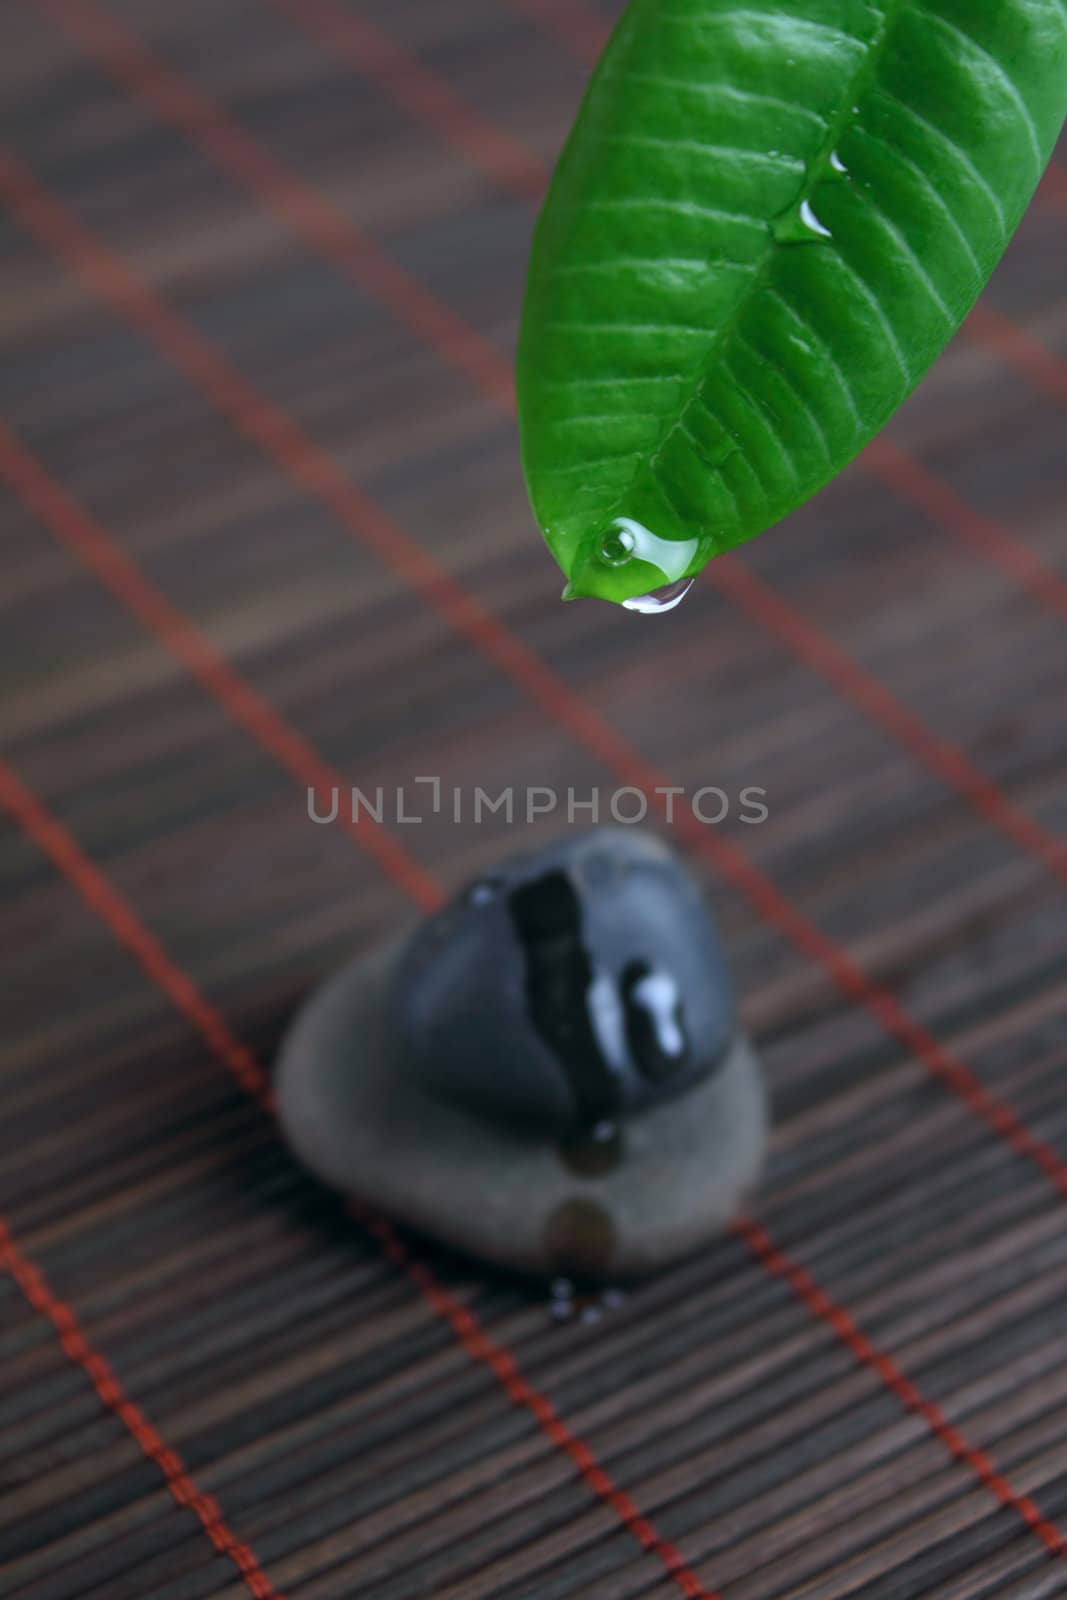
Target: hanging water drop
{"type": "Point", "coordinates": [664, 599]}
{"type": "Point", "coordinates": [836, 163]}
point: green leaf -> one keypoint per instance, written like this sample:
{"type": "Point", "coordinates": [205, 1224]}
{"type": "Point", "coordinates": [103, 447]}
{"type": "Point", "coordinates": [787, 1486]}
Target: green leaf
{"type": "Point", "coordinates": [768, 221]}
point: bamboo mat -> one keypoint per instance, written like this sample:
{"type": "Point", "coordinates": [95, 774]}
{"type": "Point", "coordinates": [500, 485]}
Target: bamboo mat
{"type": "Point", "coordinates": [263, 529]}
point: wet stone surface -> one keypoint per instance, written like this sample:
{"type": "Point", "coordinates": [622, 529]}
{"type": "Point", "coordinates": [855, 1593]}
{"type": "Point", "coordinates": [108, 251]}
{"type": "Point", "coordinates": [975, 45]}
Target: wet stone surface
{"type": "Point", "coordinates": [547, 1074]}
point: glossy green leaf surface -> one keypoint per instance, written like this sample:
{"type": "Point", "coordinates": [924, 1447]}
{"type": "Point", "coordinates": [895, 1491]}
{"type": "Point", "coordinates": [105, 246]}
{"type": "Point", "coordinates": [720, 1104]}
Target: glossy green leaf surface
{"type": "Point", "coordinates": [768, 221]}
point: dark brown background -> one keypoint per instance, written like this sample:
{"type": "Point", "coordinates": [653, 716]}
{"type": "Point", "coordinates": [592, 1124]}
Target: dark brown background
{"type": "Point", "coordinates": [352, 1441]}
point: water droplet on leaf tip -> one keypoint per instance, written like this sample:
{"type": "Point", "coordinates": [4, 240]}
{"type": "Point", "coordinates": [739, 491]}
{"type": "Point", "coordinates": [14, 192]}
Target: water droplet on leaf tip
{"type": "Point", "coordinates": [836, 163]}
{"type": "Point", "coordinates": [664, 599]}
{"type": "Point", "coordinates": [629, 539]}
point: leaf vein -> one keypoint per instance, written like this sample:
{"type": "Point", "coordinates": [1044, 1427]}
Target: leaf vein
{"type": "Point", "coordinates": [811, 332]}
{"type": "Point", "coordinates": [629, 327]}
{"type": "Point", "coordinates": [767, 18]}
{"type": "Point", "coordinates": [763, 417]}
{"type": "Point", "coordinates": [590, 466]}
{"type": "Point", "coordinates": [804, 406]}
{"type": "Point", "coordinates": [727, 91]}
{"type": "Point", "coordinates": [930, 187]}
{"type": "Point", "coordinates": [960, 36]}
{"type": "Point", "coordinates": [907, 250]}
{"type": "Point", "coordinates": [720, 152]}
{"type": "Point", "coordinates": [618, 263]}
{"type": "Point", "coordinates": [953, 148]}
{"type": "Point", "coordinates": [689, 208]}
{"type": "Point", "coordinates": [586, 417]}
{"type": "Point", "coordinates": [613, 380]}
{"type": "Point", "coordinates": [881, 316]}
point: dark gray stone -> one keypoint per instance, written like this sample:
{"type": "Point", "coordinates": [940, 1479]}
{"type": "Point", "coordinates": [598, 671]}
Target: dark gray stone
{"type": "Point", "coordinates": [546, 993]}
{"type": "Point", "coordinates": [547, 1074]}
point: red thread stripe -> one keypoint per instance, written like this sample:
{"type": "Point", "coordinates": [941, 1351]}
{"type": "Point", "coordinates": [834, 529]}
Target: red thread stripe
{"type": "Point", "coordinates": [101, 895]}
{"type": "Point", "coordinates": [106, 560]}
{"type": "Point", "coordinates": [328, 229]}
{"type": "Point", "coordinates": [315, 470]}
{"type": "Point", "coordinates": [581, 29]}
{"type": "Point", "coordinates": [310, 214]}
{"type": "Point", "coordinates": [506, 1370]}
{"type": "Point", "coordinates": [944, 504]}
{"type": "Point", "coordinates": [1000, 1482]}
{"type": "Point", "coordinates": [866, 1351]}
{"type": "Point", "coordinates": [110, 905]}
{"type": "Point", "coordinates": [423, 94]}
{"type": "Point", "coordinates": [1053, 186]}
{"type": "Point", "coordinates": [941, 756]}
{"type": "Point", "coordinates": [78, 1349]}
{"type": "Point", "coordinates": [1045, 371]}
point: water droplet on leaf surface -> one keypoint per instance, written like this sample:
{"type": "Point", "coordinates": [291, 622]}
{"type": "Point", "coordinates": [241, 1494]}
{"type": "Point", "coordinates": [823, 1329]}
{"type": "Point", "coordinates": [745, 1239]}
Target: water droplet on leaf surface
{"type": "Point", "coordinates": [810, 220]}
{"type": "Point", "coordinates": [618, 547]}
{"type": "Point", "coordinates": [630, 540]}
{"type": "Point", "coordinates": [801, 226]}
{"type": "Point", "coordinates": [836, 163]}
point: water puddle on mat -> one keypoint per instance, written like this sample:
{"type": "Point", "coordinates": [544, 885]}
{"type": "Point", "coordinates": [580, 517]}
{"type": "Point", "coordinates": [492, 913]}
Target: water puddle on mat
{"type": "Point", "coordinates": [568, 1303]}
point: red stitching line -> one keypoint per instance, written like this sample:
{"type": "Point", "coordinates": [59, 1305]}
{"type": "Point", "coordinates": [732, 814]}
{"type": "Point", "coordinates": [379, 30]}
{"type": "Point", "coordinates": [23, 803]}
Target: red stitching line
{"type": "Point", "coordinates": [102, 896]}
{"type": "Point", "coordinates": [844, 1325]}
{"type": "Point", "coordinates": [1053, 186]}
{"type": "Point", "coordinates": [583, 31]}
{"type": "Point", "coordinates": [504, 1367]}
{"type": "Point", "coordinates": [431, 320]}
{"type": "Point", "coordinates": [1004, 1120]}
{"type": "Point", "coordinates": [941, 756]}
{"type": "Point", "coordinates": [110, 1392]}
{"type": "Point", "coordinates": [426, 96]}
{"type": "Point", "coordinates": [1045, 370]}
{"type": "Point", "coordinates": [941, 503]}
{"type": "Point", "coordinates": [193, 648]}
{"type": "Point", "coordinates": [310, 466]}
{"type": "Point", "coordinates": [116, 913]}
{"type": "Point", "coordinates": [327, 229]}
